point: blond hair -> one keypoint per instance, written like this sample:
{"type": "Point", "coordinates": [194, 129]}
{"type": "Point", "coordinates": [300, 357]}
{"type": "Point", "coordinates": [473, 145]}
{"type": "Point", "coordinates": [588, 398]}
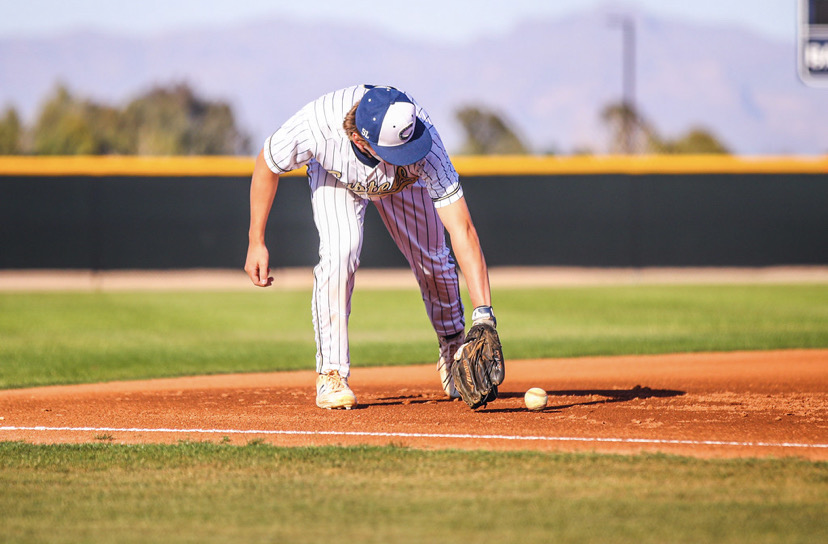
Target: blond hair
{"type": "Point", "coordinates": [349, 125]}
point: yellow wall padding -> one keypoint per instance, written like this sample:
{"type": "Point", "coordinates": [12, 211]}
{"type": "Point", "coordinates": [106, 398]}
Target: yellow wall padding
{"type": "Point", "coordinates": [494, 165]}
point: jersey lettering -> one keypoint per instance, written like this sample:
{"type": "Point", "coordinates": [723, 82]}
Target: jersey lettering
{"type": "Point", "coordinates": [402, 179]}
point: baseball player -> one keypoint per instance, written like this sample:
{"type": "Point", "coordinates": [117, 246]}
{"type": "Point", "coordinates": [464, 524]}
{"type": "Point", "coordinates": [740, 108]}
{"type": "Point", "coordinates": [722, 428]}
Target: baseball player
{"type": "Point", "coordinates": [372, 145]}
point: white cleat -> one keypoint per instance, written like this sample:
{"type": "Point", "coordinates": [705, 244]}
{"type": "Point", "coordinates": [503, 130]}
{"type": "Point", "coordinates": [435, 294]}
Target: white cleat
{"type": "Point", "coordinates": [332, 391]}
{"type": "Point", "coordinates": [448, 347]}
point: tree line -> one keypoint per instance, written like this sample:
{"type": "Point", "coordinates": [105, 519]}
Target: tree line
{"type": "Point", "coordinates": [488, 133]}
{"type": "Point", "coordinates": [175, 121]}
{"type": "Point", "coordinates": [163, 121]}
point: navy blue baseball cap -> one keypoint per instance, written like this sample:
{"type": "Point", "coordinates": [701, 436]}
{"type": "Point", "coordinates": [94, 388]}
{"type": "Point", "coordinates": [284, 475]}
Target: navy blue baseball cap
{"type": "Point", "coordinates": [388, 120]}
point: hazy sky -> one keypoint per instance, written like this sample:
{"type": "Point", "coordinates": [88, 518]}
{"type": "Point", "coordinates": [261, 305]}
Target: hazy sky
{"type": "Point", "coordinates": [440, 20]}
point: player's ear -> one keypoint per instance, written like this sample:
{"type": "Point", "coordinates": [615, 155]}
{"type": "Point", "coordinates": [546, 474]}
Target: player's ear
{"type": "Point", "coordinates": [359, 142]}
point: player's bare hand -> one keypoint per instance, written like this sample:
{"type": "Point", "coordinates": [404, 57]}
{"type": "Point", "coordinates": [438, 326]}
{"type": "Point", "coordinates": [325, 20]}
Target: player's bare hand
{"type": "Point", "coordinates": [257, 265]}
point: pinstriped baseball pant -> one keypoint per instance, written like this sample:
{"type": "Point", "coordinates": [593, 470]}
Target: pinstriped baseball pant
{"type": "Point", "coordinates": [415, 227]}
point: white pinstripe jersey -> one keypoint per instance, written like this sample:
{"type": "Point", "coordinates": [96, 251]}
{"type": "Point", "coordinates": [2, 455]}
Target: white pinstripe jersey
{"type": "Point", "coordinates": [314, 137]}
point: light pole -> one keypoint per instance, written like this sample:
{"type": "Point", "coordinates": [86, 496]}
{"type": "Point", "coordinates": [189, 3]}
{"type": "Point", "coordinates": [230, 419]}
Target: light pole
{"type": "Point", "coordinates": [628, 112]}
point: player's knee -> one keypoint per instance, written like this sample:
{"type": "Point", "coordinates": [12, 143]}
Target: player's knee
{"type": "Point", "coordinates": [333, 265]}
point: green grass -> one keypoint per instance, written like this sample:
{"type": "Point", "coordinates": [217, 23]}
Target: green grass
{"type": "Point", "coordinates": [201, 492]}
{"type": "Point", "coordinates": [73, 337]}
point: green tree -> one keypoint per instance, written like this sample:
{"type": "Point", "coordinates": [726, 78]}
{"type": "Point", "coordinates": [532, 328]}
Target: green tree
{"type": "Point", "coordinates": [11, 133]}
{"type": "Point", "coordinates": [487, 133]}
{"type": "Point", "coordinates": [697, 140]}
{"type": "Point", "coordinates": [62, 128]}
{"type": "Point", "coordinates": [72, 126]}
{"type": "Point", "coordinates": [174, 121]}
{"type": "Point", "coordinates": [164, 121]}
{"type": "Point", "coordinates": [632, 133]}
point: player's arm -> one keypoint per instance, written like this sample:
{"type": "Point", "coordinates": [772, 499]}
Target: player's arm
{"type": "Point", "coordinates": [263, 187]}
{"type": "Point", "coordinates": [466, 245]}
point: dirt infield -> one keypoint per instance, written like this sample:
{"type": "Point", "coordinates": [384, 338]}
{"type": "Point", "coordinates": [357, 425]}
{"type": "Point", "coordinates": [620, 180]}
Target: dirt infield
{"type": "Point", "coordinates": [302, 278]}
{"type": "Point", "coordinates": [741, 404]}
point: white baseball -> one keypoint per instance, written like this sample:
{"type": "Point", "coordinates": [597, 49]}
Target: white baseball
{"type": "Point", "coordinates": [535, 399]}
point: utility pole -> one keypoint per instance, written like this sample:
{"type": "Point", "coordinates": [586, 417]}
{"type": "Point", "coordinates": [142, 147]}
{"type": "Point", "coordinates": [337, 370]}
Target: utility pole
{"type": "Point", "coordinates": [629, 113]}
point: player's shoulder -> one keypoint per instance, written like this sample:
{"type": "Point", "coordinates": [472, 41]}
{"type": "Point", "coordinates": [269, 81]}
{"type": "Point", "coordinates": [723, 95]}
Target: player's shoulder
{"type": "Point", "coordinates": [346, 97]}
{"type": "Point", "coordinates": [330, 108]}
{"type": "Point", "coordinates": [343, 98]}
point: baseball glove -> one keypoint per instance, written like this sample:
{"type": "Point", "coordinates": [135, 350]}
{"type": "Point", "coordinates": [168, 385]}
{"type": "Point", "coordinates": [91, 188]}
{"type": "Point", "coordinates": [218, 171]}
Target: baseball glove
{"type": "Point", "coordinates": [478, 365]}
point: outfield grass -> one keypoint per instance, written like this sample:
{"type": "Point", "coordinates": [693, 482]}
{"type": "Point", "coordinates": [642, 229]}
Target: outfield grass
{"type": "Point", "coordinates": [200, 492]}
{"type": "Point", "coordinates": [74, 337]}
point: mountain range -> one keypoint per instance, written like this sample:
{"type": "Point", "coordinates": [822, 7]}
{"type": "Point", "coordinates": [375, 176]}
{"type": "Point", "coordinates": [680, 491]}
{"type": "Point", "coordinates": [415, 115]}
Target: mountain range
{"type": "Point", "coordinates": [549, 78]}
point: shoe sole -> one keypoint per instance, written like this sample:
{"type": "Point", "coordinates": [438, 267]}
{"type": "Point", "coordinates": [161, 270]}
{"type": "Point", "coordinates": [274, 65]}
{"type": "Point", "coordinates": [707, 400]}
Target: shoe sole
{"type": "Point", "coordinates": [336, 406]}
{"type": "Point", "coordinates": [346, 404]}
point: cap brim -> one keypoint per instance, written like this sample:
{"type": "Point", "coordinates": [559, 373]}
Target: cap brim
{"type": "Point", "coordinates": [410, 152]}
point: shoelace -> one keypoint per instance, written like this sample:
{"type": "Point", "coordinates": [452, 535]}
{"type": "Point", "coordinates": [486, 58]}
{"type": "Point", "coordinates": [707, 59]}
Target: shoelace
{"type": "Point", "coordinates": [333, 382]}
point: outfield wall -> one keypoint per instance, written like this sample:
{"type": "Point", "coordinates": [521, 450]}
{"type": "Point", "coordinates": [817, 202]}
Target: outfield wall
{"type": "Point", "coordinates": [153, 213]}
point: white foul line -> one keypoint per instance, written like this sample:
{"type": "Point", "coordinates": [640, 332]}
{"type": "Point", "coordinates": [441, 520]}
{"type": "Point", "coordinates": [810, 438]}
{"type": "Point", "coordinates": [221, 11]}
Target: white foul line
{"type": "Point", "coordinates": [427, 435]}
